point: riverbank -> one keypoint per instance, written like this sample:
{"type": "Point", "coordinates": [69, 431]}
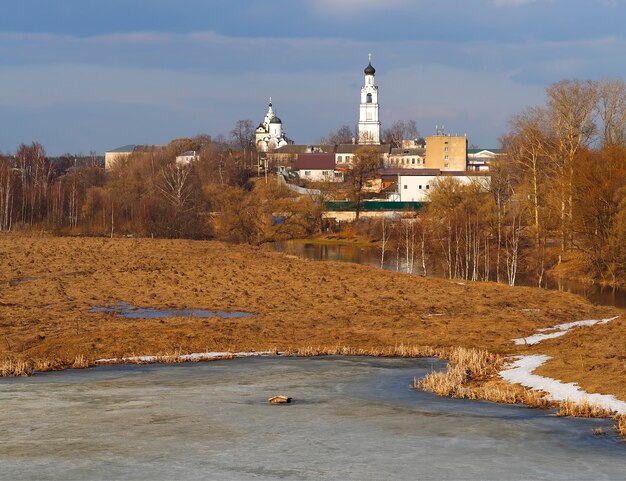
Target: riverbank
{"type": "Point", "coordinates": [51, 286]}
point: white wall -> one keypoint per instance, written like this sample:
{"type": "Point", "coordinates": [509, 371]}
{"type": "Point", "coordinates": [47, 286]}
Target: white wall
{"type": "Point", "coordinates": [415, 188]}
{"type": "Point", "coordinates": [321, 175]}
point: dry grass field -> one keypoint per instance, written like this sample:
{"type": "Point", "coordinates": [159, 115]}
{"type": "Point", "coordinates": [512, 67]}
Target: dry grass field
{"type": "Point", "coordinates": [48, 286]}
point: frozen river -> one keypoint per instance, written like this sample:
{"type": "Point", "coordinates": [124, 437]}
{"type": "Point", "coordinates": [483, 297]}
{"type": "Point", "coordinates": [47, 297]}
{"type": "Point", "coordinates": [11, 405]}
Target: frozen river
{"type": "Point", "coordinates": [352, 419]}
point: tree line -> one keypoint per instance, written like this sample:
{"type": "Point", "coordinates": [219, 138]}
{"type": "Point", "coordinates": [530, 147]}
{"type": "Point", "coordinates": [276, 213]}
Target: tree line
{"type": "Point", "coordinates": [555, 203]}
{"type": "Point", "coordinates": [149, 194]}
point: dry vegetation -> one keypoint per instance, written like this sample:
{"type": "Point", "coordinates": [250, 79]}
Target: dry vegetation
{"type": "Point", "coordinates": [472, 374]}
{"type": "Point", "coordinates": [49, 285]}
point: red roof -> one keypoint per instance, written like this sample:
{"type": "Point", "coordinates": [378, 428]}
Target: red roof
{"type": "Point", "coordinates": [315, 162]}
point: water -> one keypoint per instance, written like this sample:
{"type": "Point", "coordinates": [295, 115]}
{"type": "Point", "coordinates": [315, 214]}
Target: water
{"type": "Point", "coordinates": [131, 312]}
{"type": "Point", "coordinates": [370, 256]}
{"type": "Point", "coordinates": [351, 419]}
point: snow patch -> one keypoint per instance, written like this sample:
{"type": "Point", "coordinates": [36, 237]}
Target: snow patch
{"type": "Point", "coordinates": [196, 356]}
{"type": "Point", "coordinates": [558, 330]}
{"type": "Point", "coordinates": [521, 370]}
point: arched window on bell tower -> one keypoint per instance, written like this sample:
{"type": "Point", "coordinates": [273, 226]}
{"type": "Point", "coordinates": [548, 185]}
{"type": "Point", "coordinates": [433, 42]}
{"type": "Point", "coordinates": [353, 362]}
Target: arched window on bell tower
{"type": "Point", "coordinates": [369, 98]}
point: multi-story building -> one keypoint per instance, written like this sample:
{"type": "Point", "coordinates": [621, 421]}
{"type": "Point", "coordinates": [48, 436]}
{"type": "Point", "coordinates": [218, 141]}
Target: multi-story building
{"type": "Point", "coordinates": [446, 152]}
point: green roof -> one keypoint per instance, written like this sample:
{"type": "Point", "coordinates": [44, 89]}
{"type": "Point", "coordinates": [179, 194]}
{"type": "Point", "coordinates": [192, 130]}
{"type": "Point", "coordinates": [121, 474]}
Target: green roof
{"type": "Point", "coordinates": [475, 151]}
{"type": "Point", "coordinates": [374, 205]}
{"type": "Point", "coordinates": [125, 148]}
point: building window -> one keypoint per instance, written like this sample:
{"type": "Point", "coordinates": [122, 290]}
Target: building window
{"type": "Point", "coordinates": [420, 187]}
{"type": "Point", "coordinates": [445, 149]}
{"type": "Point", "coordinates": [339, 158]}
{"type": "Point", "coordinates": [405, 186]}
{"type": "Point", "coordinates": [446, 165]}
{"type": "Point", "coordinates": [445, 157]}
{"type": "Point", "coordinates": [307, 173]}
{"type": "Point", "coordinates": [413, 161]}
{"type": "Point", "coordinates": [427, 186]}
{"type": "Point", "coordinates": [369, 98]}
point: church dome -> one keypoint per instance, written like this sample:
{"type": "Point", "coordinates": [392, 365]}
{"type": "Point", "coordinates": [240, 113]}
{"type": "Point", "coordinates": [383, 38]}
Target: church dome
{"type": "Point", "coordinates": [275, 120]}
{"type": "Point", "coordinates": [369, 70]}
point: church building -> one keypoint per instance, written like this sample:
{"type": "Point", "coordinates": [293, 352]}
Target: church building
{"type": "Point", "coordinates": [269, 133]}
{"type": "Point", "coordinates": [369, 125]}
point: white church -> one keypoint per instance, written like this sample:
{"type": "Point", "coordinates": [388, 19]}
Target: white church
{"type": "Point", "coordinates": [369, 123]}
{"type": "Point", "coordinates": [269, 133]}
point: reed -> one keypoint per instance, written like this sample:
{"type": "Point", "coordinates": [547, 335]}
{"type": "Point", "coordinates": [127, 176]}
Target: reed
{"type": "Point", "coordinates": [80, 362]}
{"type": "Point", "coordinates": [42, 365]}
{"type": "Point", "coordinates": [10, 367]}
{"type": "Point", "coordinates": [620, 425]}
{"type": "Point", "coordinates": [472, 374]}
{"type": "Point", "coordinates": [400, 350]}
{"type": "Point", "coordinates": [583, 409]}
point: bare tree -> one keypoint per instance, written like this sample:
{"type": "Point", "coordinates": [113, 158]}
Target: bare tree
{"type": "Point", "coordinates": [571, 110]}
{"type": "Point", "coordinates": [364, 167]}
{"type": "Point", "coordinates": [175, 186]}
{"type": "Point", "coordinates": [399, 131]}
{"type": "Point", "coordinates": [242, 135]}
{"type": "Point", "coordinates": [384, 240]}
{"type": "Point", "coordinates": [611, 109]}
{"type": "Point", "coordinates": [344, 135]}
{"type": "Point", "coordinates": [8, 186]}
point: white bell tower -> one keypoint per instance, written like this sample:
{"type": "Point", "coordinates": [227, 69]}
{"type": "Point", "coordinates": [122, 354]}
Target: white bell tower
{"type": "Point", "coordinates": [369, 125]}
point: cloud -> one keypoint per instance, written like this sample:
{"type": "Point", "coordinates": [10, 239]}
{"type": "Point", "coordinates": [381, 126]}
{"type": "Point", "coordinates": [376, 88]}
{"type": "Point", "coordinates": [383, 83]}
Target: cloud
{"type": "Point", "coordinates": [356, 6]}
{"type": "Point", "coordinates": [511, 3]}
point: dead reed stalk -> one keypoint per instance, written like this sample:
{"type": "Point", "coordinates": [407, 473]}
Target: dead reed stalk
{"type": "Point", "coordinates": [10, 367]}
{"type": "Point", "coordinates": [583, 409]}
{"type": "Point", "coordinates": [42, 365]}
{"type": "Point", "coordinates": [80, 362]}
{"type": "Point", "coordinates": [620, 425]}
{"type": "Point", "coordinates": [472, 374]}
{"type": "Point", "coordinates": [400, 350]}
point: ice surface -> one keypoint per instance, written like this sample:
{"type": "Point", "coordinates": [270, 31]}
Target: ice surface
{"type": "Point", "coordinates": [128, 311]}
{"type": "Point", "coordinates": [351, 419]}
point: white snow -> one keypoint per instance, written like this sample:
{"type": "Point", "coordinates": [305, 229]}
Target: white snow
{"type": "Point", "coordinates": [559, 330]}
{"type": "Point", "coordinates": [196, 356]}
{"type": "Point", "coordinates": [521, 372]}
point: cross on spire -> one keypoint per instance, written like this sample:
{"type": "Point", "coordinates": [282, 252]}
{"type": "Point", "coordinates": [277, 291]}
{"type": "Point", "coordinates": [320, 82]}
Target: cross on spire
{"type": "Point", "coordinates": [369, 57]}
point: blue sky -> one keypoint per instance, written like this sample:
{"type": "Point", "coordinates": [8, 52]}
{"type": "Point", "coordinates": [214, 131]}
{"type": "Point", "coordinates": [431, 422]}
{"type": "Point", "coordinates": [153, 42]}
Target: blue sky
{"type": "Point", "coordinates": [82, 75]}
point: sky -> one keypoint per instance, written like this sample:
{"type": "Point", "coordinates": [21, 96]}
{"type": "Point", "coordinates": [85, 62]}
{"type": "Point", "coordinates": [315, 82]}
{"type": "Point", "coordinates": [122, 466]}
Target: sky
{"type": "Point", "coordinates": [93, 75]}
